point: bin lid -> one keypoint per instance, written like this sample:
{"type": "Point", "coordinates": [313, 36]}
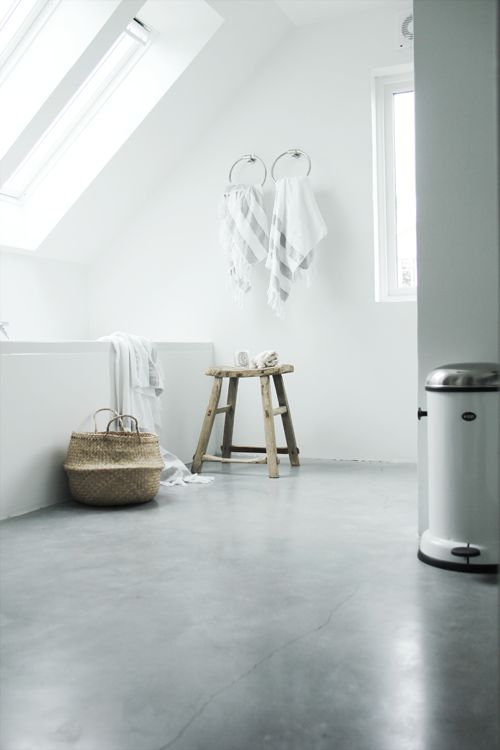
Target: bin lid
{"type": "Point", "coordinates": [464, 376]}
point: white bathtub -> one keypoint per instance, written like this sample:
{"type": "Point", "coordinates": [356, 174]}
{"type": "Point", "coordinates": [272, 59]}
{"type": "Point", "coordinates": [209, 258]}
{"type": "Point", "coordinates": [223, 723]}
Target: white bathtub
{"type": "Point", "coordinates": [47, 390]}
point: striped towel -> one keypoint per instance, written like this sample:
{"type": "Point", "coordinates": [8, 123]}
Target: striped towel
{"type": "Point", "coordinates": [244, 234]}
{"type": "Point", "coordinates": [296, 228]}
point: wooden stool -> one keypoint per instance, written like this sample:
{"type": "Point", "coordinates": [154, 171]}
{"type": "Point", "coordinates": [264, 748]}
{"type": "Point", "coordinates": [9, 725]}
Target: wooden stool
{"type": "Point", "coordinates": [234, 374]}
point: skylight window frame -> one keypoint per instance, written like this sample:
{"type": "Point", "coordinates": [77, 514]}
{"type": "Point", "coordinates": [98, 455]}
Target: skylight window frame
{"type": "Point", "coordinates": [143, 36]}
{"type": "Point", "coordinates": [25, 33]}
{"type": "Point", "coordinates": [386, 83]}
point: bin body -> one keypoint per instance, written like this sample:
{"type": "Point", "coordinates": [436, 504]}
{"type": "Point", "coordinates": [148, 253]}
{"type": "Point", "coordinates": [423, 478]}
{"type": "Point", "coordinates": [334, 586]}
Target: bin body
{"type": "Point", "coordinates": [463, 468]}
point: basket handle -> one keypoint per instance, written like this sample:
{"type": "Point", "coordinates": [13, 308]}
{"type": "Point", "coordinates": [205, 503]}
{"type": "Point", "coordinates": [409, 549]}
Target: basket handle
{"type": "Point", "coordinates": [120, 416]}
{"type": "Point", "coordinates": [107, 408]}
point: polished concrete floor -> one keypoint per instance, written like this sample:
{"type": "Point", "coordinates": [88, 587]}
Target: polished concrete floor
{"type": "Point", "coordinates": [249, 614]}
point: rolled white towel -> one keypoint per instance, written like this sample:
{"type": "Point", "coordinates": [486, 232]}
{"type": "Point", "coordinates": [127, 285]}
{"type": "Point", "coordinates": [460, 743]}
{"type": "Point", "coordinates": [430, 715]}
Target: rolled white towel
{"type": "Point", "coordinates": [267, 358]}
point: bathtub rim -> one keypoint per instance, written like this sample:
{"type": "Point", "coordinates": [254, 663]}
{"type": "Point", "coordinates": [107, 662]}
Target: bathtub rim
{"type": "Point", "coordinates": [20, 347]}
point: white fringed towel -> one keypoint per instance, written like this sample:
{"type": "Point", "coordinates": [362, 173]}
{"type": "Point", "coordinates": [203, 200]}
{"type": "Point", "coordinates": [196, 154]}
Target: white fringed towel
{"type": "Point", "coordinates": [244, 234]}
{"type": "Point", "coordinates": [138, 379]}
{"type": "Point", "coordinates": [138, 385]}
{"type": "Point", "coordinates": [296, 228]}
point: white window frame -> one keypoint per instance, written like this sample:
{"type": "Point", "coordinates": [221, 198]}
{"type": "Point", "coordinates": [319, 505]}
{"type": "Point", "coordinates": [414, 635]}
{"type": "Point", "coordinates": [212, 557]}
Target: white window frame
{"type": "Point", "coordinates": [16, 187]}
{"type": "Point", "coordinates": [82, 105]}
{"type": "Point", "coordinates": [25, 32]}
{"type": "Point", "coordinates": [385, 83]}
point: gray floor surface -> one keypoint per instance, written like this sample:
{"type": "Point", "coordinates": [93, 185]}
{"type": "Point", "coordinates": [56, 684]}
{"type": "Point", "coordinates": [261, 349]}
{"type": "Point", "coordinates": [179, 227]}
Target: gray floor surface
{"type": "Point", "coordinates": [286, 614]}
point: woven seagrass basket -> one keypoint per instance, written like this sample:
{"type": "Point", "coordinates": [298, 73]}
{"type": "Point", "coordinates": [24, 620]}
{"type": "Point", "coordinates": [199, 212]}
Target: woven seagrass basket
{"type": "Point", "coordinates": [114, 468]}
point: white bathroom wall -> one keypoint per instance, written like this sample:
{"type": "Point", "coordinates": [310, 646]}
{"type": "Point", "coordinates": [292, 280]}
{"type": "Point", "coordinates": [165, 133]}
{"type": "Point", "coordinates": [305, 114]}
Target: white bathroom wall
{"type": "Point", "coordinates": [354, 391]}
{"type": "Point", "coordinates": [43, 300]}
{"type": "Point", "coordinates": [456, 57]}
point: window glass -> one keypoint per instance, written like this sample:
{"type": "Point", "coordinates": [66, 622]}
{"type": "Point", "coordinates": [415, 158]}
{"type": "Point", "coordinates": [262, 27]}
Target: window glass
{"type": "Point", "coordinates": [405, 200]}
{"type": "Point", "coordinates": [73, 117]}
{"type": "Point", "coordinates": [393, 102]}
{"type": "Point", "coordinates": [39, 42]}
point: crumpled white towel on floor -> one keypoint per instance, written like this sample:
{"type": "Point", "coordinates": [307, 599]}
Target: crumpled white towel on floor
{"type": "Point", "coordinates": [176, 473]}
{"type": "Point", "coordinates": [137, 386]}
{"type": "Point", "coordinates": [244, 234]}
{"type": "Point", "coordinates": [296, 228]}
{"type": "Point", "coordinates": [267, 358]}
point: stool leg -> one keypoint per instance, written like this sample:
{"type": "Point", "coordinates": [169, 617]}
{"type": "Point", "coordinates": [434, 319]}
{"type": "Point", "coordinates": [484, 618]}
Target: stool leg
{"type": "Point", "coordinates": [206, 428]}
{"type": "Point", "coordinates": [272, 456]}
{"type": "Point", "coordinates": [227, 440]}
{"type": "Point", "coordinates": [293, 453]}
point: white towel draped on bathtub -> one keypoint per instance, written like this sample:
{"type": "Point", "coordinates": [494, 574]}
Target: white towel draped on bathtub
{"type": "Point", "coordinates": [296, 228]}
{"type": "Point", "coordinates": [138, 379]}
{"type": "Point", "coordinates": [243, 234]}
{"type": "Point", "coordinates": [138, 385]}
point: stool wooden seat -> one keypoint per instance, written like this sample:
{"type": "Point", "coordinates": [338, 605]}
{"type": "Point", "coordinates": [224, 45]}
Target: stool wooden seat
{"type": "Point", "coordinates": [271, 458]}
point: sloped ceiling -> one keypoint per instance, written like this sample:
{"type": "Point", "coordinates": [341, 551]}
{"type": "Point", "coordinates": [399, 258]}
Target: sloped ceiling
{"type": "Point", "coordinates": [306, 12]}
{"type": "Point", "coordinates": [251, 30]}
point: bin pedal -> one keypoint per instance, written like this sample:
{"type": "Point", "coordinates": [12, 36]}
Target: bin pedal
{"type": "Point", "coordinates": [466, 552]}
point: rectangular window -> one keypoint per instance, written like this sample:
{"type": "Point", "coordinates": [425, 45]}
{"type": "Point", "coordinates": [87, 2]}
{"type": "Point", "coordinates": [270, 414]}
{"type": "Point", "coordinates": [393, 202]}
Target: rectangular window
{"type": "Point", "coordinates": [393, 101]}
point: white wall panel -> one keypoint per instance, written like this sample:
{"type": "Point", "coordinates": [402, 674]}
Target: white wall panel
{"type": "Point", "coordinates": [456, 53]}
{"type": "Point", "coordinates": [353, 395]}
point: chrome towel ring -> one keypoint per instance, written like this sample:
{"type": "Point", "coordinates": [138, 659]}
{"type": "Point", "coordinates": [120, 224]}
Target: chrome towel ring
{"type": "Point", "coordinates": [250, 159]}
{"type": "Point", "coordinates": [296, 153]}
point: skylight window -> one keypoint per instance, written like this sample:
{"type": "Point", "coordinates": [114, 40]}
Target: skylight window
{"type": "Point", "coordinates": [40, 42]}
{"type": "Point", "coordinates": [20, 20]}
{"type": "Point", "coordinates": [99, 84]}
{"type": "Point", "coordinates": [73, 89]}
